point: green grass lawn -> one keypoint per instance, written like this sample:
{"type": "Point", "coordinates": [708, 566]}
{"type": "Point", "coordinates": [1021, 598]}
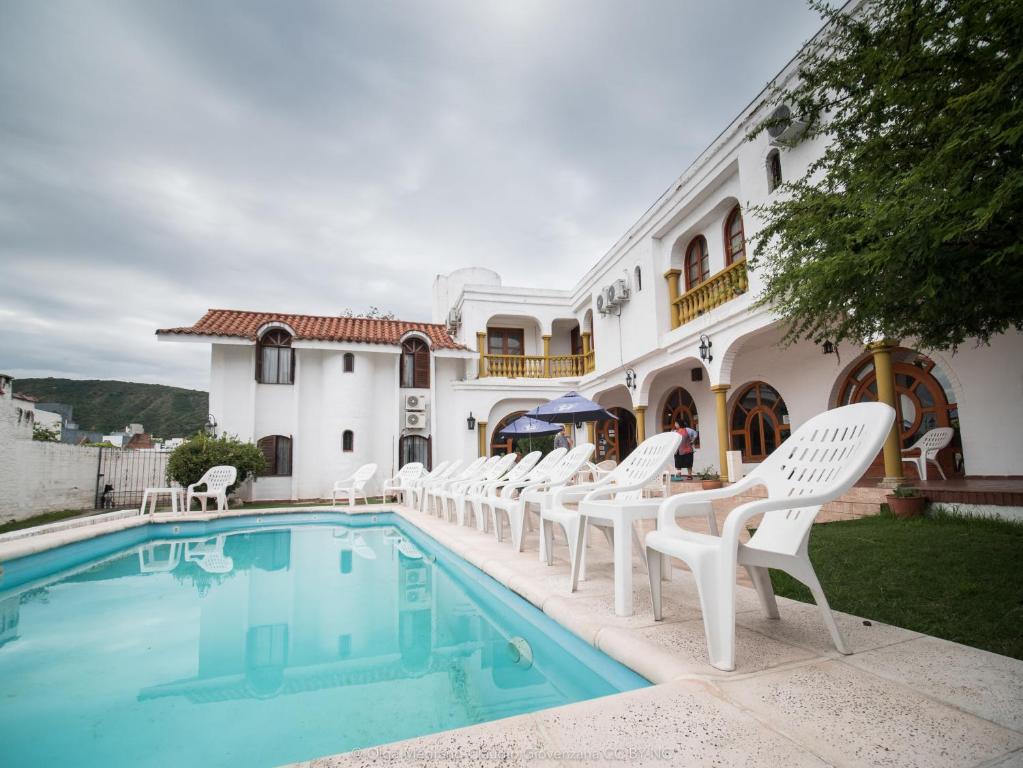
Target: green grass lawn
{"type": "Point", "coordinates": [946, 575]}
{"type": "Point", "coordinates": [43, 519]}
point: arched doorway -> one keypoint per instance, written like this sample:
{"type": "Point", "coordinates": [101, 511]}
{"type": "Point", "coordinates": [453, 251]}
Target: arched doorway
{"type": "Point", "coordinates": [679, 404]}
{"type": "Point", "coordinates": [924, 400]}
{"type": "Point", "coordinates": [760, 421]}
{"type": "Point", "coordinates": [500, 447]}
{"type": "Point", "coordinates": [615, 439]}
{"type": "Point", "coordinates": [415, 448]}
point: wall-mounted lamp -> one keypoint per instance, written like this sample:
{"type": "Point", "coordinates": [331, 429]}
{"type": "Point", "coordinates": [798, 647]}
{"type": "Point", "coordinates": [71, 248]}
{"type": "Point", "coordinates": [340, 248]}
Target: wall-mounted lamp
{"type": "Point", "coordinates": [471, 422]}
{"type": "Point", "coordinates": [827, 347]}
{"type": "Point", "coordinates": [705, 345]}
{"type": "Point", "coordinates": [211, 426]}
{"type": "Point", "coordinates": [630, 379]}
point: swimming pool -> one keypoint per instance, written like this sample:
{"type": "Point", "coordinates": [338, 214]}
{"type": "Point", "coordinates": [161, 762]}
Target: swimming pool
{"type": "Point", "coordinates": [259, 641]}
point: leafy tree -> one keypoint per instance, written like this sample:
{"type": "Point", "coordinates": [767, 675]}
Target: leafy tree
{"type": "Point", "coordinates": [373, 313]}
{"type": "Point", "coordinates": [911, 222]}
{"type": "Point", "coordinates": [190, 461]}
{"type": "Point", "coordinates": [45, 434]}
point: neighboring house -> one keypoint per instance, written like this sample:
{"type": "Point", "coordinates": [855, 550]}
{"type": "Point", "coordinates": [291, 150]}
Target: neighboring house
{"type": "Point", "coordinates": [663, 325]}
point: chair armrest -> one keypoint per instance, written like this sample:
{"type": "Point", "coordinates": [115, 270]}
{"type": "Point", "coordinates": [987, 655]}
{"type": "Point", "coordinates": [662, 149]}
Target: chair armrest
{"type": "Point", "coordinates": [666, 512]}
{"type": "Point", "coordinates": [565, 492]}
{"type": "Point", "coordinates": [733, 523]}
{"type": "Point", "coordinates": [193, 486]}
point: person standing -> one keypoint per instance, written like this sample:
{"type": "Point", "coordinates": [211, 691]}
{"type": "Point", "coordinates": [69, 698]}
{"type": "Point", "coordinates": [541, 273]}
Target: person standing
{"type": "Point", "coordinates": [684, 454]}
{"type": "Point", "coordinates": [562, 440]}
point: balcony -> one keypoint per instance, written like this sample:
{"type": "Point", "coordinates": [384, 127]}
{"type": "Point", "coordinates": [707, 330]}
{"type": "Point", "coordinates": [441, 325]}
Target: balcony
{"type": "Point", "coordinates": [535, 366]}
{"type": "Point", "coordinates": [730, 282]}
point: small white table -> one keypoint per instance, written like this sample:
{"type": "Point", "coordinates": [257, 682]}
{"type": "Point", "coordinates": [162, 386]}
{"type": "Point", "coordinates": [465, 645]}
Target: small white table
{"type": "Point", "coordinates": [151, 495]}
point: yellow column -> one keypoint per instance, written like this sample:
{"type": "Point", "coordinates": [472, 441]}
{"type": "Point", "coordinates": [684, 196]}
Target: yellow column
{"type": "Point", "coordinates": [882, 352]}
{"type": "Point", "coordinates": [672, 276]}
{"type": "Point", "coordinates": [591, 436]}
{"type": "Point", "coordinates": [481, 347]}
{"type": "Point", "coordinates": [547, 355]}
{"type": "Point", "coordinates": [481, 432]}
{"type": "Point", "coordinates": [720, 404]}
{"type": "Point", "coordinates": [640, 423]}
{"type": "Point", "coordinates": [586, 351]}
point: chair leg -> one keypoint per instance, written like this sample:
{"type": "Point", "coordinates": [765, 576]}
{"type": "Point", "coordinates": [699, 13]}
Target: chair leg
{"type": "Point", "coordinates": [938, 467]}
{"type": "Point", "coordinates": [761, 579]}
{"type": "Point", "coordinates": [577, 548]}
{"type": "Point", "coordinates": [546, 542]}
{"type": "Point", "coordinates": [653, 561]}
{"type": "Point", "coordinates": [804, 572]}
{"type": "Point", "coordinates": [715, 581]}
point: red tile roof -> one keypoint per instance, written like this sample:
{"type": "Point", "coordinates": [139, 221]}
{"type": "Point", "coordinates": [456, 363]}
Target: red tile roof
{"type": "Point", "coordinates": [240, 324]}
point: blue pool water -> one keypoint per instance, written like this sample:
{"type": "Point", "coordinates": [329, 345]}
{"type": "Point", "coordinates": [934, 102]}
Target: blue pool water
{"type": "Point", "coordinates": [263, 641]}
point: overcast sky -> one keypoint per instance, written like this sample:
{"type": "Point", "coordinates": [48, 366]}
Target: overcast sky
{"type": "Point", "coordinates": [159, 158]}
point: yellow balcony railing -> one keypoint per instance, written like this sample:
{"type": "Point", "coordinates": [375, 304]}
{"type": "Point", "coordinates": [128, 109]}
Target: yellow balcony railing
{"type": "Point", "coordinates": [535, 366]}
{"type": "Point", "coordinates": [730, 282]}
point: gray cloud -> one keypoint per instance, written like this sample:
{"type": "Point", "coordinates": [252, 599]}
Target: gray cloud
{"type": "Point", "coordinates": [160, 158]}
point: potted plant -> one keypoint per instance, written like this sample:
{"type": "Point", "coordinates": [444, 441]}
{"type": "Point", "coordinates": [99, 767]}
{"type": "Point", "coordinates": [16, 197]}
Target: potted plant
{"type": "Point", "coordinates": [709, 478]}
{"type": "Point", "coordinates": [906, 501]}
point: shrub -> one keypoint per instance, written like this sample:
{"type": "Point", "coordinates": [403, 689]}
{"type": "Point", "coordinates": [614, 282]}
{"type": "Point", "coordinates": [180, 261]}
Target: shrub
{"type": "Point", "coordinates": [190, 461]}
{"type": "Point", "coordinates": [45, 434]}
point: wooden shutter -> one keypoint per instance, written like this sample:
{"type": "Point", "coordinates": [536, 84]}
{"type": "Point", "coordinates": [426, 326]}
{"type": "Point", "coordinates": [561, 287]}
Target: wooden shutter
{"type": "Point", "coordinates": [422, 367]}
{"type": "Point", "coordinates": [259, 362]}
{"type": "Point", "coordinates": [268, 445]}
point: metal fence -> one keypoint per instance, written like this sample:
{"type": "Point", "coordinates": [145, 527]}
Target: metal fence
{"type": "Point", "coordinates": [123, 475]}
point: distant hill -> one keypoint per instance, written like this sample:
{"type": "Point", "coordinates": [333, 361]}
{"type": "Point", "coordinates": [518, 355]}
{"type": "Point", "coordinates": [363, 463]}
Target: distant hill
{"type": "Point", "coordinates": [107, 406]}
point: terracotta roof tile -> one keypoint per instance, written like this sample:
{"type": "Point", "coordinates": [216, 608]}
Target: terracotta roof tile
{"type": "Point", "coordinates": [241, 324]}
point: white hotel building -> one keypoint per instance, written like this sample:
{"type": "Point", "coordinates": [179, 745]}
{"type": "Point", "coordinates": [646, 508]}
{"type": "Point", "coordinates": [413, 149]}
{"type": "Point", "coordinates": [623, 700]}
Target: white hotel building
{"type": "Point", "coordinates": [324, 395]}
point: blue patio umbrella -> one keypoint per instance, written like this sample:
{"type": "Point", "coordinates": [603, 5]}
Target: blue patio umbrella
{"type": "Point", "coordinates": [527, 427]}
{"type": "Point", "coordinates": [571, 409]}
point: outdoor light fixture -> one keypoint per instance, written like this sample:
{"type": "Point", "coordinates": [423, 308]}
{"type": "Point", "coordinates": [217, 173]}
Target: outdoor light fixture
{"type": "Point", "coordinates": [828, 347]}
{"type": "Point", "coordinates": [471, 422]}
{"type": "Point", "coordinates": [705, 345]}
{"type": "Point", "coordinates": [630, 379]}
{"type": "Point", "coordinates": [211, 425]}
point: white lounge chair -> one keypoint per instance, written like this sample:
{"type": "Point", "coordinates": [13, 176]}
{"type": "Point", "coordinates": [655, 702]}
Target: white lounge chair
{"type": "Point", "coordinates": [456, 468]}
{"type": "Point", "coordinates": [817, 463]}
{"type": "Point", "coordinates": [476, 494]}
{"type": "Point", "coordinates": [217, 480]}
{"type": "Point", "coordinates": [398, 486]}
{"type": "Point", "coordinates": [415, 495]}
{"type": "Point", "coordinates": [503, 495]}
{"type": "Point", "coordinates": [539, 494]}
{"type": "Point", "coordinates": [928, 446]}
{"type": "Point", "coordinates": [445, 495]}
{"type": "Point", "coordinates": [354, 486]}
{"type": "Point", "coordinates": [468, 472]}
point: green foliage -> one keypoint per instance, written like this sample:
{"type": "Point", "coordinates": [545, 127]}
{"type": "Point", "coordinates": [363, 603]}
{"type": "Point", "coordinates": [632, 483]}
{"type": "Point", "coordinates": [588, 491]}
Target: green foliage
{"type": "Point", "coordinates": [190, 461]}
{"type": "Point", "coordinates": [45, 434]}
{"type": "Point", "coordinates": [905, 492]}
{"type": "Point", "coordinates": [106, 406]}
{"type": "Point", "coordinates": [910, 223]}
{"type": "Point", "coordinates": [707, 473]}
{"type": "Point", "coordinates": [946, 575]}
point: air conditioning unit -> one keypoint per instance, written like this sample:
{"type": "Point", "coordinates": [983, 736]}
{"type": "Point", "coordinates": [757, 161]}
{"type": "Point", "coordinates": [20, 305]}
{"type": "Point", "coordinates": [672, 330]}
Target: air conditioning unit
{"type": "Point", "coordinates": [618, 292]}
{"type": "Point", "coordinates": [454, 319]}
{"type": "Point", "coordinates": [786, 129]}
{"type": "Point", "coordinates": [415, 420]}
{"type": "Point", "coordinates": [601, 303]}
{"type": "Point", "coordinates": [415, 402]}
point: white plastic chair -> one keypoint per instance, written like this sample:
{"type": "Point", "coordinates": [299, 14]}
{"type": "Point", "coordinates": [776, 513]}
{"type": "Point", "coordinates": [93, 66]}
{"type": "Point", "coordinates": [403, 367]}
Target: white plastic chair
{"type": "Point", "coordinates": [477, 494]}
{"type": "Point", "coordinates": [217, 480]}
{"type": "Point", "coordinates": [399, 485]}
{"type": "Point", "coordinates": [502, 494]}
{"type": "Point", "coordinates": [468, 472]}
{"type": "Point", "coordinates": [817, 463]}
{"type": "Point", "coordinates": [416, 489]}
{"type": "Point", "coordinates": [354, 486]}
{"type": "Point", "coordinates": [539, 494]}
{"type": "Point", "coordinates": [458, 496]}
{"type": "Point", "coordinates": [929, 446]}
{"type": "Point", "coordinates": [444, 495]}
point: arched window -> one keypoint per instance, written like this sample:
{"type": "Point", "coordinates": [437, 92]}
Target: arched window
{"type": "Point", "coordinates": [639, 279]}
{"type": "Point", "coordinates": [275, 359]}
{"type": "Point", "coordinates": [349, 362]}
{"type": "Point", "coordinates": [348, 441]}
{"type": "Point", "coordinates": [415, 364]}
{"type": "Point", "coordinates": [500, 446]}
{"type": "Point", "coordinates": [760, 421]}
{"type": "Point", "coordinates": [773, 170]}
{"type": "Point", "coordinates": [277, 452]}
{"type": "Point", "coordinates": [680, 405]}
{"type": "Point", "coordinates": [735, 238]}
{"type": "Point", "coordinates": [415, 448]}
{"type": "Point", "coordinates": [697, 262]}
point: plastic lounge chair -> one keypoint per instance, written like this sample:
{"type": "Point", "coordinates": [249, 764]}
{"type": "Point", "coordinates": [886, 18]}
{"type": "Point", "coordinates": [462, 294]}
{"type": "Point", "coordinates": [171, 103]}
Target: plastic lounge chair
{"type": "Point", "coordinates": [503, 495]}
{"type": "Point", "coordinates": [217, 480]}
{"type": "Point", "coordinates": [354, 486]}
{"type": "Point", "coordinates": [460, 496]}
{"type": "Point", "coordinates": [468, 472]}
{"type": "Point", "coordinates": [454, 470]}
{"type": "Point", "coordinates": [444, 496]}
{"type": "Point", "coordinates": [415, 495]}
{"type": "Point", "coordinates": [398, 485]}
{"type": "Point", "coordinates": [540, 493]}
{"type": "Point", "coordinates": [476, 495]}
{"type": "Point", "coordinates": [817, 463]}
{"type": "Point", "coordinates": [929, 446]}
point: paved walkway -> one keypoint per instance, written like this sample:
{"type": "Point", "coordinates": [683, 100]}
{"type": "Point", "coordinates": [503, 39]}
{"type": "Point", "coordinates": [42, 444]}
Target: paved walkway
{"type": "Point", "coordinates": [902, 699]}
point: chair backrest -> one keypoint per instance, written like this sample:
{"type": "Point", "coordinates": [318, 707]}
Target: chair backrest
{"type": "Point", "coordinates": [496, 469]}
{"type": "Point", "coordinates": [364, 474]}
{"type": "Point", "coordinates": [437, 471]}
{"type": "Point", "coordinates": [524, 467]}
{"type": "Point", "coordinates": [471, 470]}
{"type": "Point", "coordinates": [546, 464]}
{"type": "Point", "coordinates": [219, 477]}
{"type": "Point", "coordinates": [645, 463]}
{"type": "Point", "coordinates": [934, 440]}
{"type": "Point", "coordinates": [411, 471]}
{"type": "Point", "coordinates": [447, 472]}
{"type": "Point", "coordinates": [606, 466]}
{"type": "Point", "coordinates": [570, 464]}
{"type": "Point", "coordinates": [825, 456]}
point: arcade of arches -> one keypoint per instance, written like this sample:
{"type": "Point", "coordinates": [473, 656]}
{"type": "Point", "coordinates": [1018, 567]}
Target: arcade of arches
{"type": "Point", "coordinates": [679, 404]}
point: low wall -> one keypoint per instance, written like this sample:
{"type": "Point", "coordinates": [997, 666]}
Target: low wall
{"type": "Point", "coordinates": [37, 477]}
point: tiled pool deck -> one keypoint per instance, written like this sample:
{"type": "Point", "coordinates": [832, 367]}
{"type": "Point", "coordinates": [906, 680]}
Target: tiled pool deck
{"type": "Point", "coordinates": [902, 698]}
